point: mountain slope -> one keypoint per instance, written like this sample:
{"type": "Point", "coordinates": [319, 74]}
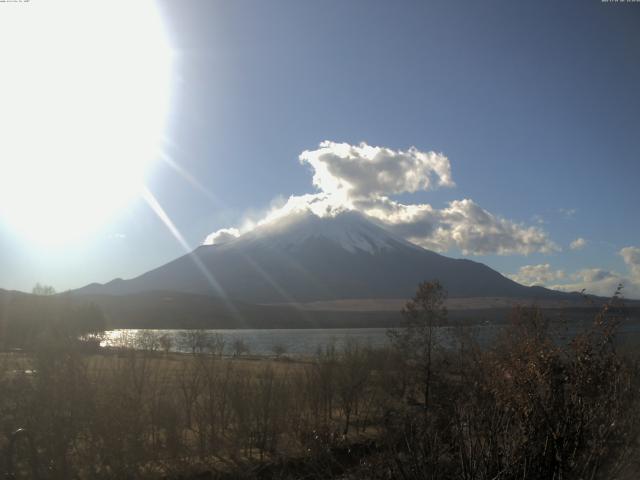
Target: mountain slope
{"type": "Point", "coordinates": [302, 258]}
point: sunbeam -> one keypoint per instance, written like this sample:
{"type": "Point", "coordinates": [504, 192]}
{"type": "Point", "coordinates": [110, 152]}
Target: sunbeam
{"type": "Point", "coordinates": [166, 220]}
{"type": "Point", "coordinates": [292, 301]}
{"type": "Point", "coordinates": [185, 174]}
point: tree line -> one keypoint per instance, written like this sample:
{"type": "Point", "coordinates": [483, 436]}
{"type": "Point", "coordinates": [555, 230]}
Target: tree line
{"type": "Point", "coordinates": [534, 404]}
{"type": "Point", "coordinates": [43, 317]}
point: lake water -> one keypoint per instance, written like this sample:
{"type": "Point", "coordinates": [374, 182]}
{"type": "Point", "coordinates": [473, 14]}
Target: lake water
{"type": "Point", "coordinates": [307, 341]}
{"type": "Point", "coordinates": [259, 342]}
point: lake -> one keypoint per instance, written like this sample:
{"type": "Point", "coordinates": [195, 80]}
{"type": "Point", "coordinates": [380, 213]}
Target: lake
{"type": "Point", "coordinates": [259, 342]}
{"type": "Point", "coordinates": [308, 341]}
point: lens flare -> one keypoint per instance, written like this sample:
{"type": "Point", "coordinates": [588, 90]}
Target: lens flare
{"type": "Point", "coordinates": [83, 100]}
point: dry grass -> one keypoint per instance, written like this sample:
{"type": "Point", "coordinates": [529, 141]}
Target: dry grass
{"type": "Point", "coordinates": [527, 407]}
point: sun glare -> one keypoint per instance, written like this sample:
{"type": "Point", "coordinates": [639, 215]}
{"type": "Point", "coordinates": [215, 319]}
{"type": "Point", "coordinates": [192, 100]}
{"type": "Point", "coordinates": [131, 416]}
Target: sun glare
{"type": "Point", "coordinates": [84, 92]}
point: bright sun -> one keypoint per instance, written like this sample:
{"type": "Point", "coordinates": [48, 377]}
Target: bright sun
{"type": "Point", "coordinates": [84, 91]}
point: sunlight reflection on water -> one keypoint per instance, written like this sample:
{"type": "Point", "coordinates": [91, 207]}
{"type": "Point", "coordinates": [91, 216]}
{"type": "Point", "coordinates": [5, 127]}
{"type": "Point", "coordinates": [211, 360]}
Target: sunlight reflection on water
{"type": "Point", "coordinates": [305, 341]}
{"type": "Point", "coordinates": [260, 342]}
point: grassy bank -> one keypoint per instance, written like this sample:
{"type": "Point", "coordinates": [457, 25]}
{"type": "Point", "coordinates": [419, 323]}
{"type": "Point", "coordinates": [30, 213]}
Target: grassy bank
{"type": "Point", "coordinates": [526, 407]}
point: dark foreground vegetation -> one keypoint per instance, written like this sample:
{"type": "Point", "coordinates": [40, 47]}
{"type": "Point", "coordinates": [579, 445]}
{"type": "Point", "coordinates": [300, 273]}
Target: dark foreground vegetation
{"type": "Point", "coordinates": [535, 405]}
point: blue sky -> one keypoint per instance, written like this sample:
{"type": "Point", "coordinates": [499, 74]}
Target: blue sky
{"type": "Point", "coordinates": [535, 105]}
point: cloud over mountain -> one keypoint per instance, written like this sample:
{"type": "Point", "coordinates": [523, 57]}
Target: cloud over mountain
{"type": "Point", "coordinates": [364, 178]}
{"type": "Point", "coordinates": [463, 224]}
{"type": "Point", "coordinates": [631, 257]}
{"type": "Point", "coordinates": [223, 235]}
{"type": "Point", "coordinates": [364, 171]}
{"type": "Point", "coordinates": [595, 281]}
{"type": "Point", "coordinates": [539, 275]}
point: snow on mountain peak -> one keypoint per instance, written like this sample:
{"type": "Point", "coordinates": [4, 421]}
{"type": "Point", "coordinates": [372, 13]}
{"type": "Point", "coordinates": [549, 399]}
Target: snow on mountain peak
{"type": "Point", "coordinates": [350, 230]}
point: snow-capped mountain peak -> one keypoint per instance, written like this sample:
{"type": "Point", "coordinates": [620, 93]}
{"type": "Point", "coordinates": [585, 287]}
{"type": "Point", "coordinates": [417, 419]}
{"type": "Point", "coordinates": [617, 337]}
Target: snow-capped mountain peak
{"type": "Point", "coordinates": [303, 257]}
{"type": "Point", "coordinates": [349, 230]}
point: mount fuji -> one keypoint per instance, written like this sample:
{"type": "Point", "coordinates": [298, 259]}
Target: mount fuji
{"type": "Point", "coordinates": [306, 258]}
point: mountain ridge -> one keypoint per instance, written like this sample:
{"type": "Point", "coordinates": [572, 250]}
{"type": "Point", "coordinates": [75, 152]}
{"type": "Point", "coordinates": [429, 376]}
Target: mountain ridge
{"type": "Point", "coordinates": [305, 258]}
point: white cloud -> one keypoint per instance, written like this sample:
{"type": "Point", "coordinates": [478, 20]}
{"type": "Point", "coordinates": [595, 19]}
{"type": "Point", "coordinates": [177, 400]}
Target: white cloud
{"type": "Point", "coordinates": [476, 231]}
{"type": "Point", "coordinates": [463, 224]}
{"type": "Point", "coordinates": [631, 257]}
{"type": "Point", "coordinates": [363, 178]}
{"type": "Point", "coordinates": [540, 275]}
{"type": "Point", "coordinates": [595, 281]}
{"type": "Point", "coordinates": [578, 244]}
{"type": "Point", "coordinates": [221, 236]}
{"type": "Point", "coordinates": [365, 171]}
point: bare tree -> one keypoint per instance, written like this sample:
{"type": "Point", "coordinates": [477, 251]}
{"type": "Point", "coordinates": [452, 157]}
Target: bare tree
{"type": "Point", "coordinates": [41, 289]}
{"type": "Point", "coordinates": [351, 377]}
{"type": "Point", "coordinates": [422, 315]}
{"type": "Point", "coordinates": [195, 340]}
{"type": "Point", "coordinates": [239, 347]}
{"type": "Point", "coordinates": [279, 350]}
{"type": "Point", "coordinates": [166, 342]}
